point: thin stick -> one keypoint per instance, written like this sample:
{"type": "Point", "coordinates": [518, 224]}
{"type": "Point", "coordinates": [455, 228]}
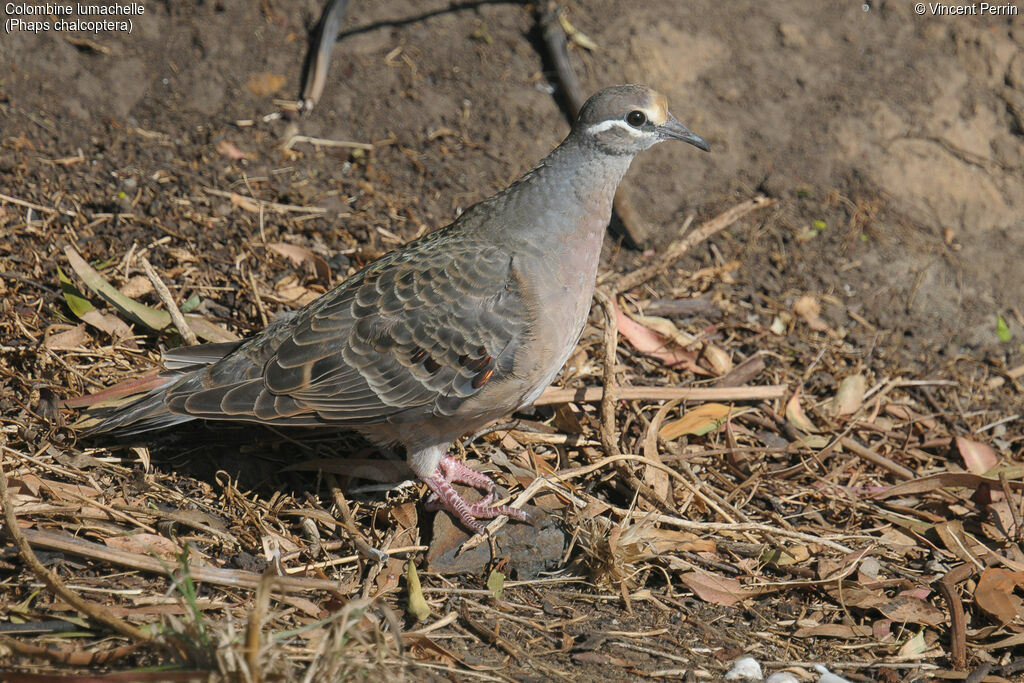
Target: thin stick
{"type": "Point", "coordinates": [611, 340]}
{"type": "Point", "coordinates": [34, 207]}
{"type": "Point", "coordinates": [349, 523]}
{"type": "Point", "coordinates": [67, 656]}
{"type": "Point", "coordinates": [872, 457]}
{"type": "Point", "coordinates": [280, 208]}
{"type": "Point", "coordinates": [593, 394]}
{"type": "Point", "coordinates": [325, 142]}
{"type": "Point", "coordinates": [676, 250]}
{"type": "Point", "coordinates": [187, 335]}
{"type": "Point", "coordinates": [957, 620]}
{"type": "Point", "coordinates": [260, 308]}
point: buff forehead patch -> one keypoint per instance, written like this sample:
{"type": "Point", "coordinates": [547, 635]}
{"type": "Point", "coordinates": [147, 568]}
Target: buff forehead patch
{"type": "Point", "coordinates": [657, 110]}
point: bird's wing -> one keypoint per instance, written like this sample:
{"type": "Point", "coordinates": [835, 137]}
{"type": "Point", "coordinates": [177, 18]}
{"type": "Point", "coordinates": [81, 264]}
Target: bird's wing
{"type": "Point", "coordinates": [413, 335]}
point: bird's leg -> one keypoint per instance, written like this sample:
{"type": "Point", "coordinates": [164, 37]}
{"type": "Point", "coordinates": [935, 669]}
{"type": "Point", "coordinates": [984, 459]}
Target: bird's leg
{"type": "Point", "coordinates": [445, 496]}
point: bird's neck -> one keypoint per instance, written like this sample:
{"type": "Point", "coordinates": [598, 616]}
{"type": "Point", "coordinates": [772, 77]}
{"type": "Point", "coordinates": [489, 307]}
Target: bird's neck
{"type": "Point", "coordinates": [576, 185]}
{"type": "Point", "coordinates": [566, 199]}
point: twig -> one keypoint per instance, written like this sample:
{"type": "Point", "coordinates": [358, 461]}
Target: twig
{"type": "Point", "coordinates": [957, 622]}
{"type": "Point", "coordinates": [611, 339]}
{"type": "Point", "coordinates": [33, 206]}
{"type": "Point", "coordinates": [676, 250]}
{"type": "Point", "coordinates": [68, 657]}
{"type": "Point", "coordinates": [260, 308]}
{"type": "Point", "coordinates": [324, 142]}
{"type": "Point", "coordinates": [872, 457]}
{"type": "Point", "coordinates": [187, 335]}
{"type": "Point", "coordinates": [555, 479]}
{"type": "Point", "coordinates": [53, 582]}
{"type": "Point", "coordinates": [593, 394]}
{"type": "Point", "coordinates": [349, 523]}
{"type": "Point", "coordinates": [280, 208]}
{"type": "Point", "coordinates": [1018, 532]}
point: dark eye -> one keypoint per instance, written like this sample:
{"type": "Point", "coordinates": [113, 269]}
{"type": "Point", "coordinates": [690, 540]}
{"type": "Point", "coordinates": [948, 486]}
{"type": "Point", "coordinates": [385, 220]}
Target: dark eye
{"type": "Point", "coordinates": [636, 118]}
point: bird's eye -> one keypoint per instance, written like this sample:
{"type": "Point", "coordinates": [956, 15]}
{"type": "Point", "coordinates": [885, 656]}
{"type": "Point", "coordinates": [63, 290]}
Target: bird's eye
{"type": "Point", "coordinates": [636, 118]}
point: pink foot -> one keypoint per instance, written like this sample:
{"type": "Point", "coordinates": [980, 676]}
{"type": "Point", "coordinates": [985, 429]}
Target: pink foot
{"type": "Point", "coordinates": [445, 496]}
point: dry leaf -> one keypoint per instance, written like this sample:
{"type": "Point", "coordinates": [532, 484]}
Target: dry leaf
{"type": "Point", "coordinates": [68, 339]}
{"type": "Point", "coordinates": [656, 477]}
{"type": "Point", "coordinates": [717, 359]}
{"type": "Point", "coordinates": [230, 150]}
{"type": "Point", "coordinates": [264, 83]}
{"type": "Point", "coordinates": [59, 490]}
{"type": "Point", "coordinates": [808, 308]}
{"type": "Point", "coordinates": [245, 203]}
{"type": "Point", "coordinates": [902, 608]}
{"type": "Point", "coordinates": [936, 481]}
{"type": "Point", "coordinates": [795, 414]}
{"type": "Point", "coordinates": [405, 514]}
{"type": "Point", "coordinates": [792, 555]}
{"type": "Point", "coordinates": [953, 536]}
{"type": "Point", "coordinates": [699, 421]}
{"type": "Point", "coordinates": [978, 457]}
{"type": "Point", "coordinates": [111, 324]}
{"type": "Point", "coordinates": [914, 647]}
{"type": "Point", "coordinates": [136, 286]}
{"type": "Point", "coordinates": [666, 328]}
{"type": "Point", "coordinates": [994, 594]}
{"type": "Point", "coordinates": [145, 544]}
{"type": "Point", "coordinates": [850, 396]}
{"type": "Point", "coordinates": [301, 256]}
{"type": "Point", "coordinates": [655, 345]}
{"type": "Point", "coordinates": [718, 590]}
{"type": "Point", "coordinates": [904, 413]}
{"type": "Point", "coordinates": [289, 289]}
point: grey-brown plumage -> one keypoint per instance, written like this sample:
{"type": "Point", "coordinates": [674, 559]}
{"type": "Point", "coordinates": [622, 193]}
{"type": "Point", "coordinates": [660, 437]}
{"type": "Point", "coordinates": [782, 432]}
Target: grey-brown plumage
{"type": "Point", "coordinates": [446, 334]}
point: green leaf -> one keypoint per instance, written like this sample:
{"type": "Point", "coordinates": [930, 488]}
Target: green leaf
{"type": "Point", "coordinates": [819, 225]}
{"type": "Point", "coordinates": [496, 584]}
{"type": "Point", "coordinates": [76, 301]}
{"type": "Point", "coordinates": [1002, 329]}
{"type": "Point", "coordinates": [417, 607]}
{"type": "Point", "coordinates": [191, 304]}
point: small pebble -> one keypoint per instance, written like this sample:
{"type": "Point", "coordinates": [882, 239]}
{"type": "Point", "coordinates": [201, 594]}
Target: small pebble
{"type": "Point", "coordinates": [745, 669]}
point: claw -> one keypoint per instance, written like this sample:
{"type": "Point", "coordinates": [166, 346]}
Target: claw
{"type": "Point", "coordinates": [445, 496]}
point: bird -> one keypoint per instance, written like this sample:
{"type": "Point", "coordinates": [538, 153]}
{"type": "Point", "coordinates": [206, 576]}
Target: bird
{"type": "Point", "coordinates": [444, 335]}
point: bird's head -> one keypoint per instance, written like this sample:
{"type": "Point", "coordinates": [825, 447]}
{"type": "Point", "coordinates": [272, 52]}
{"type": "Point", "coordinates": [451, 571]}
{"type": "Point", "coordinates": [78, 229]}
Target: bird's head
{"type": "Point", "coordinates": [627, 119]}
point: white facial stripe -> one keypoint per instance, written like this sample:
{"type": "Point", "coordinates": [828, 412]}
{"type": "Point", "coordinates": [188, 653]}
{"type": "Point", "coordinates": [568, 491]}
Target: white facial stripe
{"type": "Point", "coordinates": [614, 123]}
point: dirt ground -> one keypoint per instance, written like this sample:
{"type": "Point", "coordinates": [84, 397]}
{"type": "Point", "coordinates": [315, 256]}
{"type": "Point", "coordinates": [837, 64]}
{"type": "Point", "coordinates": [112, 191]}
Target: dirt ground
{"type": "Point", "coordinates": [893, 144]}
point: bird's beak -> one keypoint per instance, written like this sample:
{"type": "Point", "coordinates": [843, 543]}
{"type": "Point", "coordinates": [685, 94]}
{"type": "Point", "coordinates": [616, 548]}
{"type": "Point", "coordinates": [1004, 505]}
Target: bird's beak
{"type": "Point", "coordinates": [672, 129]}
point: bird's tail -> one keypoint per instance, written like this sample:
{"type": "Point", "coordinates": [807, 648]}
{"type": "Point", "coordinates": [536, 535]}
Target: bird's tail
{"type": "Point", "coordinates": [149, 411]}
{"type": "Point", "coordinates": [136, 414]}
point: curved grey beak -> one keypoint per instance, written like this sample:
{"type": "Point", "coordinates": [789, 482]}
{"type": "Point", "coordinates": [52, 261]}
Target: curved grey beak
{"type": "Point", "coordinates": [674, 130]}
